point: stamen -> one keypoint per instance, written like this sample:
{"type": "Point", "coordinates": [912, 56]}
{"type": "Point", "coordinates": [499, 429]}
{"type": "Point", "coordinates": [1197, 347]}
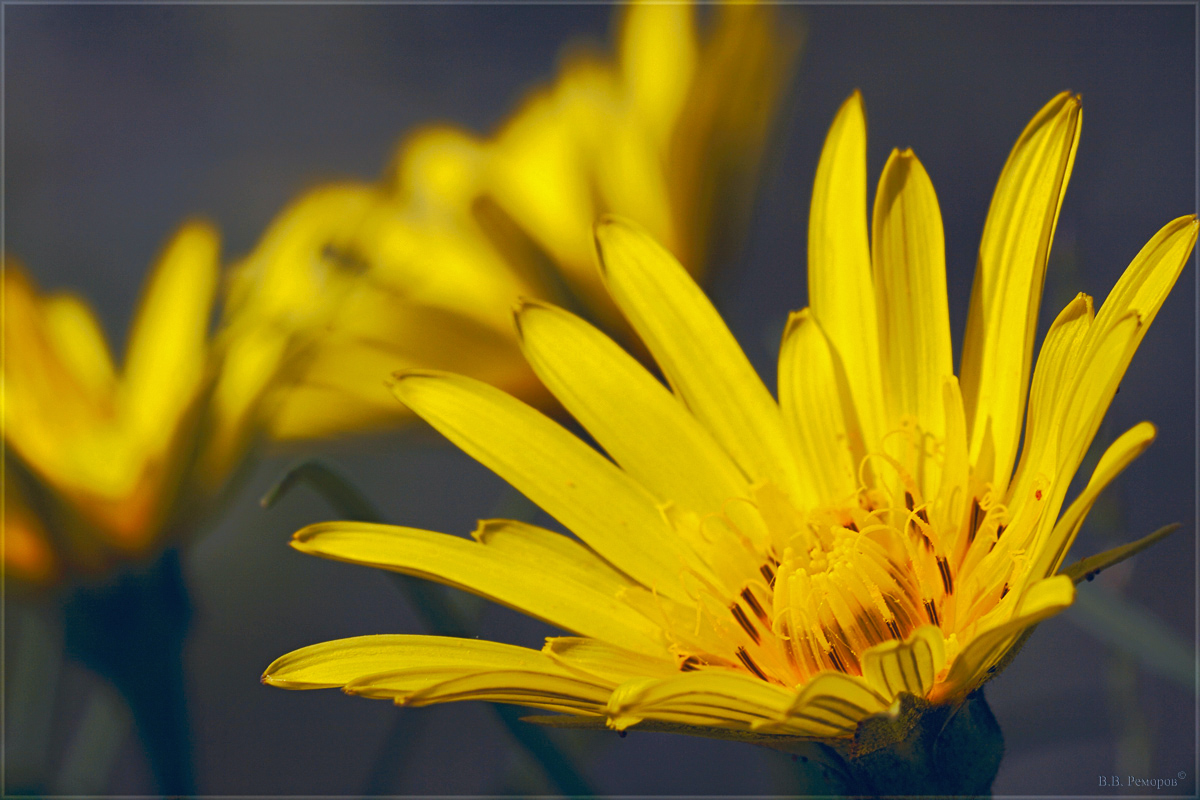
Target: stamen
{"type": "Point", "coordinates": [837, 661]}
{"type": "Point", "coordinates": [745, 658]}
{"type": "Point", "coordinates": [769, 574]}
{"type": "Point", "coordinates": [745, 622]}
{"type": "Point", "coordinates": [908, 500]}
{"type": "Point", "coordinates": [977, 516]}
{"type": "Point", "coordinates": [754, 605]}
{"type": "Point", "coordinates": [947, 578]}
{"type": "Point", "coordinates": [931, 610]}
{"type": "Point", "coordinates": [690, 664]}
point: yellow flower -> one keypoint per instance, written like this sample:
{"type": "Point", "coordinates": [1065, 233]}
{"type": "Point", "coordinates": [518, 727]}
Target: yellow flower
{"type": "Point", "coordinates": [783, 567]}
{"type": "Point", "coordinates": [670, 134]}
{"type": "Point", "coordinates": [113, 450]}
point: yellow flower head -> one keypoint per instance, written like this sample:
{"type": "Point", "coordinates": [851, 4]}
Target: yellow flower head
{"type": "Point", "coordinates": [783, 567]}
{"type": "Point", "coordinates": [668, 133]}
{"type": "Point", "coordinates": [112, 450]}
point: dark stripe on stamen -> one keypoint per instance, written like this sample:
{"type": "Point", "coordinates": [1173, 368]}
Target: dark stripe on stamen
{"type": "Point", "coordinates": [931, 610]}
{"type": "Point", "coordinates": [790, 650]}
{"type": "Point", "coordinates": [744, 621]}
{"type": "Point", "coordinates": [755, 606]}
{"type": "Point", "coordinates": [894, 629]}
{"type": "Point", "coordinates": [769, 574]}
{"type": "Point", "coordinates": [1004, 591]}
{"type": "Point", "coordinates": [947, 578]}
{"type": "Point", "coordinates": [908, 501]}
{"type": "Point", "coordinates": [1000, 531]}
{"type": "Point", "coordinates": [837, 661]}
{"type": "Point", "coordinates": [745, 658]}
{"type": "Point", "coordinates": [924, 517]}
{"type": "Point", "coordinates": [690, 664]}
{"type": "Point", "coordinates": [976, 519]}
{"type": "Point", "coordinates": [853, 527]}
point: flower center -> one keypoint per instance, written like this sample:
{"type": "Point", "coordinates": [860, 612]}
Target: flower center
{"type": "Point", "coordinates": [826, 584]}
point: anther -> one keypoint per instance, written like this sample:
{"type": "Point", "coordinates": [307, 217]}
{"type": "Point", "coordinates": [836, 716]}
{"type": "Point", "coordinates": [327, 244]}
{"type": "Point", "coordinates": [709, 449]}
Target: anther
{"type": "Point", "coordinates": [894, 629]}
{"type": "Point", "coordinates": [908, 500]}
{"type": "Point", "coordinates": [947, 578]}
{"type": "Point", "coordinates": [922, 515]}
{"type": "Point", "coordinates": [1004, 591]}
{"type": "Point", "coordinates": [745, 658]}
{"type": "Point", "coordinates": [769, 574]}
{"type": "Point", "coordinates": [931, 610]}
{"type": "Point", "coordinates": [976, 519]}
{"type": "Point", "coordinates": [690, 664]}
{"type": "Point", "coordinates": [837, 661]}
{"type": "Point", "coordinates": [755, 606]}
{"type": "Point", "coordinates": [745, 622]}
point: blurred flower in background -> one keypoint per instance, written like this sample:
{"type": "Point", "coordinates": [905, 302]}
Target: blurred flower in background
{"type": "Point", "coordinates": [115, 450]}
{"type": "Point", "coordinates": [788, 568]}
{"type": "Point", "coordinates": [671, 133]}
{"type": "Point", "coordinates": [111, 466]}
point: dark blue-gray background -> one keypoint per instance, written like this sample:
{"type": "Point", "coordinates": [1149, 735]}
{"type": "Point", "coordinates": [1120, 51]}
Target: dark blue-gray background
{"type": "Point", "coordinates": [122, 120]}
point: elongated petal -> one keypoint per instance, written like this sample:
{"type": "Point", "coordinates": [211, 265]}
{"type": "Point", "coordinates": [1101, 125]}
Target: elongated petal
{"type": "Point", "coordinates": [724, 699]}
{"type": "Point", "coordinates": [1057, 363]}
{"type": "Point", "coordinates": [168, 342]}
{"type": "Point", "coordinates": [840, 289]}
{"type": "Point", "coordinates": [658, 61]}
{"type": "Point", "coordinates": [818, 411]}
{"type": "Point", "coordinates": [832, 704]}
{"type": "Point", "coordinates": [628, 411]}
{"type": "Point", "coordinates": [909, 260]}
{"type": "Point", "coordinates": [337, 663]}
{"type": "Point", "coordinates": [561, 583]}
{"type": "Point", "coordinates": [998, 347]}
{"type": "Point", "coordinates": [1043, 599]}
{"type": "Point", "coordinates": [603, 660]}
{"type": "Point", "coordinates": [696, 352]}
{"type": "Point", "coordinates": [601, 504]}
{"type": "Point", "coordinates": [1113, 339]}
{"type": "Point", "coordinates": [534, 688]}
{"type": "Point", "coordinates": [906, 666]}
{"type": "Point", "coordinates": [1120, 454]}
{"type": "Point", "coordinates": [78, 344]}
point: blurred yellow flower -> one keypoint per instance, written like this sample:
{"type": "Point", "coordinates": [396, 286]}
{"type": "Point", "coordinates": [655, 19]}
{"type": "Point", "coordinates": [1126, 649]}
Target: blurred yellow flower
{"type": "Point", "coordinates": [669, 134]}
{"type": "Point", "coordinates": [785, 567]}
{"type": "Point", "coordinates": [113, 450]}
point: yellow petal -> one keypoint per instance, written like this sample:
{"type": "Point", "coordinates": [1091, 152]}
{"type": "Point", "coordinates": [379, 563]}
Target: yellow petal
{"type": "Point", "coordinates": [1056, 365]}
{"type": "Point", "coordinates": [601, 659]}
{"type": "Point", "coordinates": [840, 289]}
{"type": "Point", "coordinates": [79, 346]}
{"type": "Point", "coordinates": [433, 685]}
{"type": "Point", "coordinates": [1120, 324]}
{"type": "Point", "coordinates": [1041, 600]}
{"type": "Point", "coordinates": [658, 52]}
{"type": "Point", "coordinates": [536, 689]}
{"type": "Point", "coordinates": [1119, 455]}
{"type": "Point", "coordinates": [909, 666]}
{"type": "Point", "coordinates": [337, 663]}
{"type": "Point", "coordinates": [998, 346]}
{"type": "Point", "coordinates": [909, 261]}
{"type": "Point", "coordinates": [630, 414]}
{"type": "Point", "coordinates": [720, 699]}
{"type": "Point", "coordinates": [1152, 273]}
{"type": "Point", "coordinates": [818, 411]}
{"type": "Point", "coordinates": [560, 582]}
{"type": "Point", "coordinates": [832, 704]}
{"type": "Point", "coordinates": [573, 483]}
{"type": "Point", "coordinates": [696, 352]}
{"type": "Point", "coordinates": [168, 343]}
